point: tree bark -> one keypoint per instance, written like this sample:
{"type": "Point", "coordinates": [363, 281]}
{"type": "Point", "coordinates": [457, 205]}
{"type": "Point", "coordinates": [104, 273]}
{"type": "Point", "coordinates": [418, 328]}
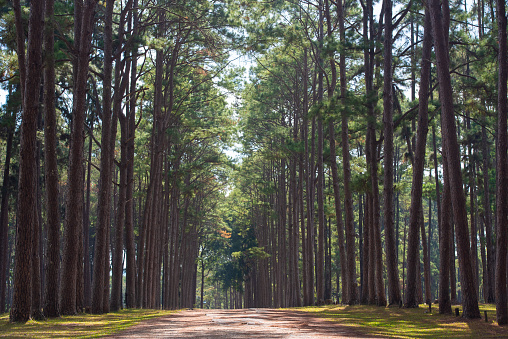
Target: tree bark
{"type": "Point", "coordinates": [51, 307]}
{"type": "Point", "coordinates": [418, 167]}
{"type": "Point", "coordinates": [27, 219]}
{"type": "Point", "coordinates": [452, 151]}
{"type": "Point", "coordinates": [101, 256]}
{"type": "Point", "coordinates": [74, 206]}
{"type": "Point", "coordinates": [501, 168]}
{"type": "Point", "coordinates": [4, 216]}
{"type": "Point", "coordinates": [391, 250]}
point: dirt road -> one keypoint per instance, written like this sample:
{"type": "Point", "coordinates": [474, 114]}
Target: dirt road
{"type": "Point", "coordinates": [246, 323]}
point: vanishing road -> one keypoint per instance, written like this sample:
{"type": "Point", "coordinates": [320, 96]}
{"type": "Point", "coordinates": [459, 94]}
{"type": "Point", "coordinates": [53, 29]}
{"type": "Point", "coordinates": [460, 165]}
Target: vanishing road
{"type": "Point", "coordinates": [239, 324]}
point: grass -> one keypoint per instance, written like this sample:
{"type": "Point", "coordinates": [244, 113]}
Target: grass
{"type": "Point", "coordinates": [397, 322]}
{"type": "Point", "coordinates": [78, 326]}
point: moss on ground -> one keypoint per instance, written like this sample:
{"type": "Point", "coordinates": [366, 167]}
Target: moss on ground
{"type": "Point", "coordinates": [78, 326]}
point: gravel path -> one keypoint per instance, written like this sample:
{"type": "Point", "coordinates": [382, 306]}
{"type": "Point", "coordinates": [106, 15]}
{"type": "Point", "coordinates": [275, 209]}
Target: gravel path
{"type": "Point", "coordinates": [245, 323]}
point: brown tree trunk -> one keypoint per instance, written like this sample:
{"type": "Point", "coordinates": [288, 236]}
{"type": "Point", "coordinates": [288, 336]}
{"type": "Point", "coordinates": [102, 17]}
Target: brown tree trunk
{"type": "Point", "coordinates": [320, 255]}
{"type": "Point", "coordinates": [488, 218]}
{"type": "Point", "coordinates": [4, 217]}
{"type": "Point", "coordinates": [27, 219]}
{"type": "Point", "coordinates": [501, 168]}
{"type": "Point", "coordinates": [452, 152]}
{"type": "Point", "coordinates": [101, 254]}
{"type": "Point", "coordinates": [309, 165]}
{"type": "Point", "coordinates": [391, 250]}
{"type": "Point", "coordinates": [335, 172]}
{"type": "Point", "coordinates": [418, 167]}
{"type": "Point", "coordinates": [74, 205]}
{"type": "Point", "coordinates": [352, 295]}
{"type": "Point", "coordinates": [446, 236]}
{"type": "Point", "coordinates": [51, 308]}
{"type": "Point", "coordinates": [130, 283]}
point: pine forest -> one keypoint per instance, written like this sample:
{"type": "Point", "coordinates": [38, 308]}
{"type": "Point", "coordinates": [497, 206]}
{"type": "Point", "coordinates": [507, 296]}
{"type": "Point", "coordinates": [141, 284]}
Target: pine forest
{"type": "Point", "coordinates": [169, 154]}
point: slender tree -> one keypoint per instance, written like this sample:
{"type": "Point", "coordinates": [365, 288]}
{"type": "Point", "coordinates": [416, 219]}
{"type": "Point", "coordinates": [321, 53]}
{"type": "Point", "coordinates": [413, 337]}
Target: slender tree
{"type": "Point", "coordinates": [501, 168]}
{"type": "Point", "coordinates": [440, 23]}
{"type": "Point", "coordinates": [74, 204]}
{"type": "Point", "coordinates": [391, 257]}
{"type": "Point", "coordinates": [51, 308]}
{"type": "Point", "coordinates": [27, 201]}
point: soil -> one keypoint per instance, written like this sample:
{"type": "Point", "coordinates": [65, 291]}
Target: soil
{"type": "Point", "coordinates": [244, 323]}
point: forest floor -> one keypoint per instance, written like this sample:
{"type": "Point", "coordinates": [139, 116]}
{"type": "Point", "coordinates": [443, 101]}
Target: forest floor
{"type": "Point", "coordinates": [317, 322]}
{"type": "Point", "coordinates": [333, 321]}
{"type": "Point", "coordinates": [244, 323]}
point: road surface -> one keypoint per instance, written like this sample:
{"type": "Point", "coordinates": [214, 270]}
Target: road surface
{"type": "Point", "coordinates": [239, 324]}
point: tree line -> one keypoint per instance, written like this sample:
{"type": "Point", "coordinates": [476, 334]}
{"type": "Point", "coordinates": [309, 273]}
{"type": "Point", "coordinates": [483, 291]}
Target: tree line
{"type": "Point", "coordinates": [118, 111]}
{"type": "Point", "coordinates": [329, 119]}
{"type": "Point", "coordinates": [374, 154]}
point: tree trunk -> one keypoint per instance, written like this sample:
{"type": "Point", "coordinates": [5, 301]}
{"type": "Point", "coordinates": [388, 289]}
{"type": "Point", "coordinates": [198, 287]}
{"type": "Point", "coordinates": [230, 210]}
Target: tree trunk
{"type": "Point", "coordinates": [452, 152]}
{"type": "Point", "coordinates": [4, 217]}
{"type": "Point", "coordinates": [501, 169]}
{"type": "Point", "coordinates": [445, 238]}
{"type": "Point", "coordinates": [74, 205]}
{"type": "Point", "coordinates": [391, 250]}
{"type": "Point", "coordinates": [27, 219]}
{"type": "Point", "coordinates": [101, 254]}
{"type": "Point", "coordinates": [130, 283]}
{"type": "Point", "coordinates": [51, 308]}
{"type": "Point", "coordinates": [418, 167]}
{"type": "Point", "coordinates": [352, 295]}
{"type": "Point", "coordinates": [487, 218]}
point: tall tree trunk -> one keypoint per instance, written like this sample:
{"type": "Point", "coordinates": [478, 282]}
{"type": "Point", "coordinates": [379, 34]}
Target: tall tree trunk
{"type": "Point", "coordinates": [37, 282]}
{"type": "Point", "coordinates": [309, 165]}
{"type": "Point", "coordinates": [352, 295]}
{"type": "Point", "coordinates": [335, 172]}
{"type": "Point", "coordinates": [4, 216]}
{"type": "Point", "coordinates": [130, 282]}
{"type": "Point", "coordinates": [391, 250]}
{"type": "Point", "coordinates": [501, 169]}
{"type": "Point", "coordinates": [74, 205]}
{"type": "Point", "coordinates": [27, 219]}
{"type": "Point", "coordinates": [488, 218]}
{"type": "Point", "coordinates": [320, 255]}
{"type": "Point", "coordinates": [101, 254]}
{"type": "Point", "coordinates": [418, 167]}
{"type": "Point", "coordinates": [87, 273]}
{"type": "Point", "coordinates": [51, 308]}
{"type": "Point", "coordinates": [445, 237]}
{"type": "Point", "coordinates": [452, 151]}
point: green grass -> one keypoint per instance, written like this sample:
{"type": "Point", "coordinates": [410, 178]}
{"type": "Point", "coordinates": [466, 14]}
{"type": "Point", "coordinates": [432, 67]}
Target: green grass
{"type": "Point", "coordinates": [78, 326]}
{"type": "Point", "coordinates": [397, 322]}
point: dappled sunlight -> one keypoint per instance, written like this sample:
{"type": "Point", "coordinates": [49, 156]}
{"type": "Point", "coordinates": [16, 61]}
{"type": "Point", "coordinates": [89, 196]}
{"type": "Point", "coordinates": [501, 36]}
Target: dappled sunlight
{"type": "Point", "coordinates": [78, 326]}
{"type": "Point", "coordinates": [410, 323]}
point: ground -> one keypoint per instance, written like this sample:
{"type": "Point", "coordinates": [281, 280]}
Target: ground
{"type": "Point", "coordinates": [246, 323]}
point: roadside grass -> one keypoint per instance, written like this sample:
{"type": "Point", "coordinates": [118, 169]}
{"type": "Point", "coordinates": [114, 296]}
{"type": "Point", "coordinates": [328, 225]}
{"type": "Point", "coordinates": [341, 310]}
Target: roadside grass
{"type": "Point", "coordinates": [395, 322]}
{"type": "Point", "coordinates": [78, 326]}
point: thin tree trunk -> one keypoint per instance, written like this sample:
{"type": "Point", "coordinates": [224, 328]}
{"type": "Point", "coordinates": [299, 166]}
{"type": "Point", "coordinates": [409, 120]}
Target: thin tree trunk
{"type": "Point", "coordinates": [488, 218]}
{"type": "Point", "coordinates": [501, 168]}
{"type": "Point", "coordinates": [418, 167]}
{"type": "Point", "coordinates": [391, 250]}
{"type": "Point", "coordinates": [4, 217]}
{"type": "Point", "coordinates": [51, 308]}
{"type": "Point", "coordinates": [101, 254]}
{"type": "Point", "coordinates": [74, 206]}
{"type": "Point", "coordinates": [352, 295]}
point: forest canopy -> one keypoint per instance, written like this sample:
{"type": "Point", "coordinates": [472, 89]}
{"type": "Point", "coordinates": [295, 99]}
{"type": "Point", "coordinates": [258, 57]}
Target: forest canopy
{"type": "Point", "coordinates": [229, 154]}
